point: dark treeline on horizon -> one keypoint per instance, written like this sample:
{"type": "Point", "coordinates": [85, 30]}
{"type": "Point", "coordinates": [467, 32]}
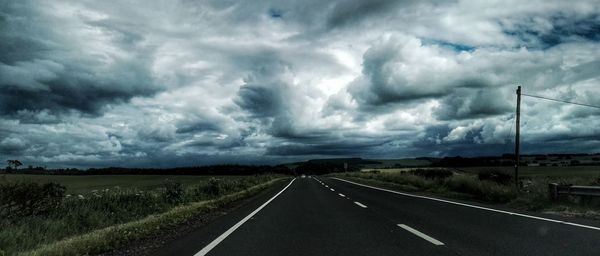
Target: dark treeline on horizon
{"type": "Point", "coordinates": [226, 169]}
{"type": "Point", "coordinates": [317, 166]}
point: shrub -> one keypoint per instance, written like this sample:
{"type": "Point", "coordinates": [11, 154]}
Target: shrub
{"type": "Point", "coordinates": [18, 199]}
{"type": "Point", "coordinates": [174, 193]}
{"type": "Point", "coordinates": [496, 176]}
{"type": "Point", "coordinates": [432, 173]}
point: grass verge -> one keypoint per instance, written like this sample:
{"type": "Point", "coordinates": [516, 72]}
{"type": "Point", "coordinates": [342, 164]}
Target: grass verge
{"type": "Point", "coordinates": [109, 238]}
{"type": "Point", "coordinates": [533, 197]}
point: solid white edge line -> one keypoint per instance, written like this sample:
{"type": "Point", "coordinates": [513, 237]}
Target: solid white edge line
{"type": "Point", "coordinates": [420, 234]}
{"type": "Point", "coordinates": [342, 195]}
{"type": "Point", "coordinates": [361, 205]}
{"type": "Point", "coordinates": [222, 237]}
{"type": "Point", "coordinates": [475, 206]}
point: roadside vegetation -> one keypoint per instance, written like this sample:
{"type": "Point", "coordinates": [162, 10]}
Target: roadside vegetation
{"type": "Point", "coordinates": [488, 186]}
{"type": "Point", "coordinates": [34, 214]}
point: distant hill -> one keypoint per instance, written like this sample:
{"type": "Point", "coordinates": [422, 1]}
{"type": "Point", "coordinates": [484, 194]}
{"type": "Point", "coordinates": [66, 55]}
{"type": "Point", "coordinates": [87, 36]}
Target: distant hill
{"type": "Point", "coordinates": [352, 160]}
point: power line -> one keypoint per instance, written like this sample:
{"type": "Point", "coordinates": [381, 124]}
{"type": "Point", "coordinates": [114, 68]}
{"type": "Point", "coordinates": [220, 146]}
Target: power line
{"type": "Point", "coordinates": [563, 101]}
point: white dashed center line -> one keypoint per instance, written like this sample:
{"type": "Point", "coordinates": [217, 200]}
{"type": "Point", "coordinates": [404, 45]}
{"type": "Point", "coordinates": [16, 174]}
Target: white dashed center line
{"type": "Point", "coordinates": [421, 235]}
{"type": "Point", "coordinates": [361, 205]}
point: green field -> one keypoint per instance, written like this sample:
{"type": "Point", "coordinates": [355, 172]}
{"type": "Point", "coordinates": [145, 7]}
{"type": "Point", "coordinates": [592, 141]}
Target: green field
{"type": "Point", "coordinates": [524, 171]}
{"type": "Point", "coordinates": [391, 163]}
{"type": "Point", "coordinates": [85, 184]}
{"type": "Point", "coordinates": [542, 171]}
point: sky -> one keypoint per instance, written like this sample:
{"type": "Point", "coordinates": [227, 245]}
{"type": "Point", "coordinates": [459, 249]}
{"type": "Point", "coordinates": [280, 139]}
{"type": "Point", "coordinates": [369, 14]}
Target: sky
{"type": "Point", "coordinates": [177, 83]}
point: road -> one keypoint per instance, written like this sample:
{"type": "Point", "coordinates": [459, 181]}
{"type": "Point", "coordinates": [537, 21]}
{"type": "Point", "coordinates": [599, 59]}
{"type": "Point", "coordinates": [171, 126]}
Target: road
{"type": "Point", "coordinates": [314, 216]}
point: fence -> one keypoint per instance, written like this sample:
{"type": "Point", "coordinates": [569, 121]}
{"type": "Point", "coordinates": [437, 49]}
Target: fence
{"type": "Point", "coordinates": [555, 190]}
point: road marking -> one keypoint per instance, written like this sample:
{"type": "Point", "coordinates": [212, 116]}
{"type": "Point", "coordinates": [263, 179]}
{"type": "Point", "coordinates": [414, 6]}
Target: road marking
{"type": "Point", "coordinates": [332, 189]}
{"type": "Point", "coordinates": [474, 206]}
{"type": "Point", "coordinates": [420, 234]}
{"type": "Point", "coordinates": [361, 205]}
{"type": "Point", "coordinates": [342, 195]}
{"type": "Point", "coordinates": [222, 237]}
{"type": "Point", "coordinates": [326, 186]}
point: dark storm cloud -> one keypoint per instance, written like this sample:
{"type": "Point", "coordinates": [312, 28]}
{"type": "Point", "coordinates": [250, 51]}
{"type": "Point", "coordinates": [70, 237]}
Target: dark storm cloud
{"type": "Point", "coordinates": [466, 103]}
{"type": "Point", "coordinates": [351, 11]}
{"type": "Point", "coordinates": [260, 100]}
{"type": "Point", "coordinates": [337, 148]}
{"type": "Point", "coordinates": [268, 95]}
{"type": "Point", "coordinates": [307, 150]}
{"type": "Point", "coordinates": [12, 146]}
{"type": "Point", "coordinates": [42, 69]}
{"type": "Point", "coordinates": [198, 127]}
{"type": "Point", "coordinates": [83, 91]}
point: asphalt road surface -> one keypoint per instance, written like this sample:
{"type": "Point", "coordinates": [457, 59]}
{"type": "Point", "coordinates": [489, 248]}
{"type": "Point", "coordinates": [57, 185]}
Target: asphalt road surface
{"type": "Point", "coordinates": [314, 216]}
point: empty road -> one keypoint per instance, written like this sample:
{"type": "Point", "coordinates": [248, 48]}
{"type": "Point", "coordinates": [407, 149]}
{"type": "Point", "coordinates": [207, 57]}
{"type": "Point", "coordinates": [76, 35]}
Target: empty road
{"type": "Point", "coordinates": [325, 216]}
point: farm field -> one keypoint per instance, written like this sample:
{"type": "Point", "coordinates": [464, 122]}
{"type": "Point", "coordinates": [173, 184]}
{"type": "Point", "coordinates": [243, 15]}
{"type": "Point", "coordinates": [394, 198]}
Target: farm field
{"type": "Point", "coordinates": [524, 171]}
{"type": "Point", "coordinates": [80, 184]}
{"type": "Point", "coordinates": [396, 162]}
{"type": "Point", "coordinates": [404, 169]}
{"type": "Point", "coordinates": [542, 171]}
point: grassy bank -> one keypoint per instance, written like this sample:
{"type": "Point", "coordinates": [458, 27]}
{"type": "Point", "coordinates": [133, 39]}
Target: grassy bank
{"type": "Point", "coordinates": [106, 219]}
{"type": "Point", "coordinates": [533, 196]}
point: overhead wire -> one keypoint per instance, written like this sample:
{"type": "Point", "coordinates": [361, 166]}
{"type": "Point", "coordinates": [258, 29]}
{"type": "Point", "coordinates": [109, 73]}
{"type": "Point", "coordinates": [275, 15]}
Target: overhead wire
{"type": "Point", "coordinates": [562, 101]}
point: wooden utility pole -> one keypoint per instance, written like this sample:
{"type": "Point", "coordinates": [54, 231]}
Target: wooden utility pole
{"type": "Point", "coordinates": [518, 136]}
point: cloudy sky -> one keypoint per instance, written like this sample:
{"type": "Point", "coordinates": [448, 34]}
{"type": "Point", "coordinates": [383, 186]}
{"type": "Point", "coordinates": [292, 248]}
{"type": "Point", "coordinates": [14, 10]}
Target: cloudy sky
{"type": "Point", "coordinates": [171, 83]}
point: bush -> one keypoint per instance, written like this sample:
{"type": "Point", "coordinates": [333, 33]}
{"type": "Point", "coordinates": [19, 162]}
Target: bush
{"type": "Point", "coordinates": [174, 192]}
{"type": "Point", "coordinates": [216, 187]}
{"type": "Point", "coordinates": [432, 173]}
{"type": "Point", "coordinates": [19, 199]}
{"type": "Point", "coordinates": [496, 176]}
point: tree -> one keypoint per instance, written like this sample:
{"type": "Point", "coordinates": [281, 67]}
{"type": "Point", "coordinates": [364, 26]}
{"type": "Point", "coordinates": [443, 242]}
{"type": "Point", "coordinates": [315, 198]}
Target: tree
{"type": "Point", "coordinates": [14, 164]}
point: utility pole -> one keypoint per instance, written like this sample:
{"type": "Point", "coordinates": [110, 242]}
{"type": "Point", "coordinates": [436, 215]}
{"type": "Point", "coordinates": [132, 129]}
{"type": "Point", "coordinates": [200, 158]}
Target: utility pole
{"type": "Point", "coordinates": [517, 136]}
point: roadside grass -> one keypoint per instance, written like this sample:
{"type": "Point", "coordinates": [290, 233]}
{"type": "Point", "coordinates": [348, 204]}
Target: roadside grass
{"type": "Point", "coordinates": [467, 186]}
{"type": "Point", "coordinates": [108, 218]}
{"type": "Point", "coordinates": [85, 184]}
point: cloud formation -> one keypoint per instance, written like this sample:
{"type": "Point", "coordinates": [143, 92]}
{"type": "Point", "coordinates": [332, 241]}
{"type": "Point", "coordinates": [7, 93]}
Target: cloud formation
{"type": "Point", "coordinates": [101, 83]}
